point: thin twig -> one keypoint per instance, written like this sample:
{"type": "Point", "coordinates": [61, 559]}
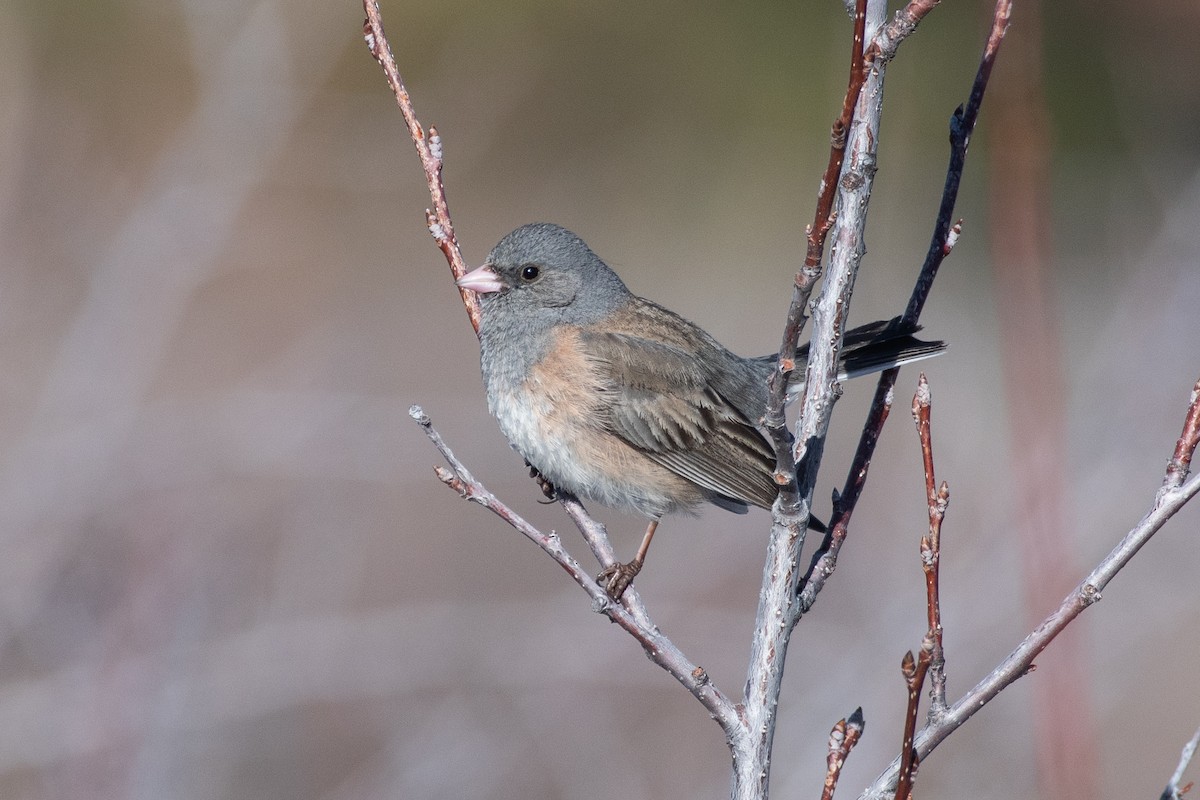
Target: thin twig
{"type": "Point", "coordinates": [429, 148]}
{"type": "Point", "coordinates": [1174, 791]}
{"type": "Point", "coordinates": [945, 234]}
{"type": "Point", "coordinates": [914, 671]}
{"type": "Point", "coordinates": [824, 560]}
{"type": "Point", "coordinates": [441, 227]}
{"type": "Point", "coordinates": [596, 538]}
{"type": "Point", "coordinates": [1167, 503]}
{"type": "Point", "coordinates": [842, 738]}
{"type": "Point", "coordinates": [658, 647]}
{"type": "Point", "coordinates": [1181, 459]}
{"type": "Point", "coordinates": [887, 40]}
{"type": "Point", "coordinates": [775, 420]}
{"type": "Point", "coordinates": [931, 552]}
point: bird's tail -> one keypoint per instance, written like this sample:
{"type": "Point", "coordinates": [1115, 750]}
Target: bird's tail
{"type": "Point", "coordinates": [880, 346]}
{"type": "Point", "coordinates": [869, 348]}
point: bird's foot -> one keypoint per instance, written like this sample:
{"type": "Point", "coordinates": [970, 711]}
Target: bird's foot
{"type": "Point", "coordinates": [616, 579]}
{"type": "Point", "coordinates": [546, 486]}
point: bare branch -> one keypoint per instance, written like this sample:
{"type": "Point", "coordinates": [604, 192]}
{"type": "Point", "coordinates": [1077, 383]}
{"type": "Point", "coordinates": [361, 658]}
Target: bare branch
{"type": "Point", "coordinates": [914, 678]}
{"type": "Point", "coordinates": [661, 650]}
{"type": "Point", "coordinates": [429, 148]}
{"type": "Point", "coordinates": [945, 234]}
{"type": "Point", "coordinates": [1166, 504]}
{"type": "Point", "coordinates": [931, 552]}
{"type": "Point", "coordinates": [632, 615]}
{"type": "Point", "coordinates": [597, 540]}
{"type": "Point", "coordinates": [1174, 791]}
{"type": "Point", "coordinates": [824, 561]}
{"type": "Point", "coordinates": [777, 612]}
{"type": "Point", "coordinates": [1181, 459]}
{"type": "Point", "coordinates": [842, 738]}
{"type": "Point", "coordinates": [441, 226]}
{"type": "Point", "coordinates": [888, 39]}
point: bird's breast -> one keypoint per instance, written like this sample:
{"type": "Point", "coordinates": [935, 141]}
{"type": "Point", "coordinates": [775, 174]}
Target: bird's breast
{"type": "Point", "coordinates": [549, 405]}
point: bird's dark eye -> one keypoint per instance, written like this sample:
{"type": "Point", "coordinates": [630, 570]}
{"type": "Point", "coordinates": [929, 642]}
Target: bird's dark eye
{"type": "Point", "coordinates": [530, 272]}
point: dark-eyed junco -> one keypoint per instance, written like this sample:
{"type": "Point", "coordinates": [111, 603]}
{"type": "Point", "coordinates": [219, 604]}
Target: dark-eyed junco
{"type": "Point", "coordinates": [615, 399]}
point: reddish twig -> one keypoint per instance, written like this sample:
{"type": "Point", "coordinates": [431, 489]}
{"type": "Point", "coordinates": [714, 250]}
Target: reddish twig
{"type": "Point", "coordinates": [658, 647]}
{"type": "Point", "coordinates": [945, 234]}
{"type": "Point", "coordinates": [810, 272]}
{"type": "Point", "coordinates": [842, 738]}
{"type": "Point", "coordinates": [914, 678]}
{"type": "Point", "coordinates": [429, 149]}
{"type": "Point", "coordinates": [931, 552]}
{"type": "Point", "coordinates": [1181, 460]}
{"type": "Point", "coordinates": [1167, 503]}
{"type": "Point", "coordinates": [823, 217]}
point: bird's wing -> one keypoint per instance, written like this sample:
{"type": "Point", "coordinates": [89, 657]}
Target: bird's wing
{"type": "Point", "coordinates": [661, 399]}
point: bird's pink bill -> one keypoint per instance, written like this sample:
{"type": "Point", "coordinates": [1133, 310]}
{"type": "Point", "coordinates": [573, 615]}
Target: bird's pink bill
{"type": "Point", "coordinates": [483, 280]}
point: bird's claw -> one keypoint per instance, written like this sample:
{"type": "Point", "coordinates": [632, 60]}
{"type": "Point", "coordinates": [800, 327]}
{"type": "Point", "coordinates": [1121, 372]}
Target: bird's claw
{"type": "Point", "coordinates": [616, 578]}
{"type": "Point", "coordinates": [546, 486]}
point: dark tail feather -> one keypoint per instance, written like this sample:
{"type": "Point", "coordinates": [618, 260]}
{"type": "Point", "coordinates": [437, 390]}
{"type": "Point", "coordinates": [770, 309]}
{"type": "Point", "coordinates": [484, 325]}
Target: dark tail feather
{"type": "Point", "coordinates": [879, 346]}
{"type": "Point", "coordinates": [878, 356]}
{"type": "Point", "coordinates": [869, 348]}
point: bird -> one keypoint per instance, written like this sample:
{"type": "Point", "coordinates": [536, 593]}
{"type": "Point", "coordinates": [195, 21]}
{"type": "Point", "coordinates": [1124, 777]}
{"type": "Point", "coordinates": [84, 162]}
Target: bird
{"type": "Point", "coordinates": [617, 400]}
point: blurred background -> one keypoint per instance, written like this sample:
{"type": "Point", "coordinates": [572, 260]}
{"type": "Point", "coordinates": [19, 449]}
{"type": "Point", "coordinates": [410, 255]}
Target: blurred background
{"type": "Point", "coordinates": [229, 571]}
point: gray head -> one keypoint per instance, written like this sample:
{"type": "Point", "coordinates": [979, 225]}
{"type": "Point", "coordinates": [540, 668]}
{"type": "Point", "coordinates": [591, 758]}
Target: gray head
{"type": "Point", "coordinates": [545, 272]}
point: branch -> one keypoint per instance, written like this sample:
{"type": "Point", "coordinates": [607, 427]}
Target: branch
{"type": "Point", "coordinates": [1174, 791]}
{"type": "Point", "coordinates": [842, 738]}
{"type": "Point", "coordinates": [598, 542]}
{"type": "Point", "coordinates": [780, 608]}
{"type": "Point", "coordinates": [658, 647]}
{"type": "Point", "coordinates": [429, 149]}
{"type": "Point", "coordinates": [1176, 491]}
{"type": "Point", "coordinates": [888, 39]}
{"type": "Point", "coordinates": [931, 553]}
{"type": "Point", "coordinates": [931, 660]}
{"type": "Point", "coordinates": [775, 420]}
{"type": "Point", "coordinates": [914, 678]}
{"type": "Point", "coordinates": [441, 226]}
{"type": "Point", "coordinates": [945, 235]}
{"type": "Point", "coordinates": [1181, 459]}
{"type": "Point", "coordinates": [777, 599]}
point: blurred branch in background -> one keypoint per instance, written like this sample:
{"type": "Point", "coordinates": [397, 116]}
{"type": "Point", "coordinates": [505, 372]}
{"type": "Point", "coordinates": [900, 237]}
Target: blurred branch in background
{"type": "Point", "coordinates": [1028, 307]}
{"type": "Point", "coordinates": [142, 282]}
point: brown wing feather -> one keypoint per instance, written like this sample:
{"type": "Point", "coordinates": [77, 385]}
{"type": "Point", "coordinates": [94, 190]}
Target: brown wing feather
{"type": "Point", "coordinates": [662, 400]}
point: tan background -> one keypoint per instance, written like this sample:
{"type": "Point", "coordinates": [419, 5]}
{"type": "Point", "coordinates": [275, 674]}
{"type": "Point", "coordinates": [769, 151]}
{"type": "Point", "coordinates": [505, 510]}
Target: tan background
{"type": "Point", "coordinates": [229, 571]}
